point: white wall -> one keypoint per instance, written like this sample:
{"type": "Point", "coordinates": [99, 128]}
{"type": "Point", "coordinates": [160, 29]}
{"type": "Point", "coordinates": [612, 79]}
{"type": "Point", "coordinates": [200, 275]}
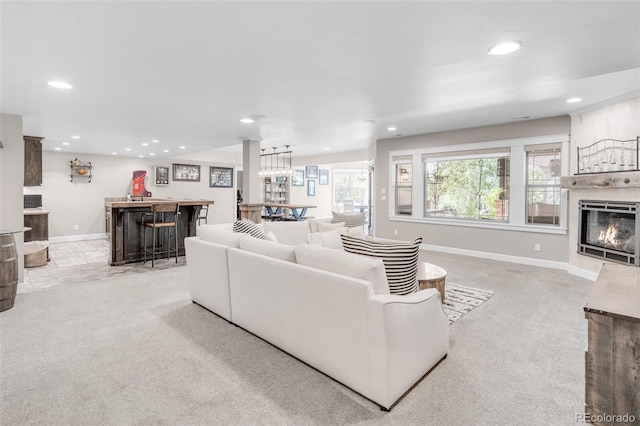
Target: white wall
{"type": "Point", "coordinates": [498, 242]}
{"type": "Point", "coordinates": [81, 203]}
{"type": "Point", "coordinates": [11, 181]}
{"type": "Point", "coordinates": [617, 121]}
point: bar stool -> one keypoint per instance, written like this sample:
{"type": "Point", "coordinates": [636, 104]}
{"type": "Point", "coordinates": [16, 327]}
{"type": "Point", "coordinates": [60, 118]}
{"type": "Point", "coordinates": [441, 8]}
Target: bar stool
{"type": "Point", "coordinates": [162, 216]}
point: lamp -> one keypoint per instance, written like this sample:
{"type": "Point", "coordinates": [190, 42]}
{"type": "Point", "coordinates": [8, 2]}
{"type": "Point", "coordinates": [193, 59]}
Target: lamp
{"type": "Point", "coordinates": [279, 170]}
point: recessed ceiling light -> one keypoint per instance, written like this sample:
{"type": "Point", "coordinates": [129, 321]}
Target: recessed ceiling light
{"type": "Point", "coordinates": [114, 153]}
{"type": "Point", "coordinates": [505, 48]}
{"type": "Point", "coordinates": [165, 150]}
{"type": "Point", "coordinates": [247, 120]}
{"type": "Point", "coordinates": [57, 148]}
{"type": "Point", "coordinates": [140, 156]}
{"type": "Point", "coordinates": [327, 148]}
{"type": "Point", "coordinates": [574, 99]}
{"type": "Point", "coordinates": [75, 137]}
{"type": "Point", "coordinates": [369, 121]}
{"type": "Point", "coordinates": [152, 154]}
{"type": "Point", "coordinates": [183, 147]}
{"type": "Point", "coordinates": [127, 149]}
{"type": "Point", "coordinates": [155, 141]}
{"type": "Point", "coordinates": [145, 144]}
{"type": "Point", "coordinates": [60, 85]}
{"type": "Point", "coordinates": [391, 129]}
{"type": "Point", "coordinates": [65, 143]}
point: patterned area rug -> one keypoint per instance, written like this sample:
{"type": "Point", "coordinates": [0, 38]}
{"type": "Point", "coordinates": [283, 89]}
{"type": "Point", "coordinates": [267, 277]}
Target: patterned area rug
{"type": "Point", "coordinates": [460, 300]}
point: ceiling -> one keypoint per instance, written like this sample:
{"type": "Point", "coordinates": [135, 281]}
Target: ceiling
{"type": "Point", "coordinates": [314, 75]}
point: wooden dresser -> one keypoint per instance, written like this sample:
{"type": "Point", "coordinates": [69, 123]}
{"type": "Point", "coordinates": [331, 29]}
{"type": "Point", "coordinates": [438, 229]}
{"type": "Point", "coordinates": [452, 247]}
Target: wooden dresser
{"type": "Point", "coordinates": [612, 360]}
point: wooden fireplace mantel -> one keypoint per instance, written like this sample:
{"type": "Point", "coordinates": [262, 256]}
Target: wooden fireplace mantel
{"type": "Point", "coordinates": [602, 180]}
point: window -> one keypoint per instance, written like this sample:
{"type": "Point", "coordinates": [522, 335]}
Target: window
{"type": "Point", "coordinates": [543, 186]}
{"type": "Point", "coordinates": [508, 184]}
{"type": "Point", "coordinates": [467, 187]}
{"type": "Point", "coordinates": [350, 184]}
{"type": "Point", "coordinates": [404, 188]}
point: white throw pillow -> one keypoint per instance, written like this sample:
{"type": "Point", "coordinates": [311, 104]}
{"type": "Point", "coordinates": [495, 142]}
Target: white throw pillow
{"type": "Point", "coordinates": [313, 223]}
{"type": "Point", "coordinates": [220, 235]}
{"type": "Point", "coordinates": [355, 232]}
{"type": "Point", "coordinates": [340, 262]}
{"type": "Point", "coordinates": [269, 236]}
{"type": "Point", "coordinates": [288, 232]}
{"type": "Point", "coordinates": [268, 248]}
{"type": "Point", "coordinates": [329, 239]}
{"type": "Point", "coordinates": [324, 227]}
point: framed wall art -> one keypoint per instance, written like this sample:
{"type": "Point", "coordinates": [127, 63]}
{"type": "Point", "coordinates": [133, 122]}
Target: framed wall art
{"type": "Point", "coordinates": [298, 178]}
{"type": "Point", "coordinates": [221, 177]}
{"type": "Point", "coordinates": [186, 172]}
{"type": "Point", "coordinates": [312, 172]}
{"type": "Point", "coordinates": [311, 188]}
{"type": "Point", "coordinates": [161, 175]}
{"type": "Point", "coordinates": [324, 177]}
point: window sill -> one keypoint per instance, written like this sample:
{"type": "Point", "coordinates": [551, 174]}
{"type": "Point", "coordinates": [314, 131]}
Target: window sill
{"type": "Point", "coordinates": [540, 229]}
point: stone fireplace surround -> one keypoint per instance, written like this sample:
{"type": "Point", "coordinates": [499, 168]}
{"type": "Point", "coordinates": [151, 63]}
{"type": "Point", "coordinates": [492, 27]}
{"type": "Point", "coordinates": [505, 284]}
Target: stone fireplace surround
{"type": "Point", "coordinates": [620, 187]}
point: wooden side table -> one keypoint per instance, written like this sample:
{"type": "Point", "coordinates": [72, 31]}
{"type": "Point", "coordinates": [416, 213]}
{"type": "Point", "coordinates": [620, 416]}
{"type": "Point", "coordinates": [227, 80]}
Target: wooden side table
{"type": "Point", "coordinates": [431, 276]}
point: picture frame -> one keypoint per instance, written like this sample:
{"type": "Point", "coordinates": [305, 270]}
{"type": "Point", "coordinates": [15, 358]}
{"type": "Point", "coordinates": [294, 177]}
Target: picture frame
{"type": "Point", "coordinates": [186, 172]}
{"type": "Point", "coordinates": [323, 179]}
{"type": "Point", "coordinates": [298, 178]}
{"type": "Point", "coordinates": [161, 175]}
{"type": "Point", "coordinates": [311, 188]}
{"type": "Point", "coordinates": [311, 172]}
{"type": "Point", "coordinates": [220, 177]}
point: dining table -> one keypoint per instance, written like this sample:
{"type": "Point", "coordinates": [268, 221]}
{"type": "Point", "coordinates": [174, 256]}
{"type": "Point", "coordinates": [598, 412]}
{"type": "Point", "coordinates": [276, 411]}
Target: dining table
{"type": "Point", "coordinates": [298, 211]}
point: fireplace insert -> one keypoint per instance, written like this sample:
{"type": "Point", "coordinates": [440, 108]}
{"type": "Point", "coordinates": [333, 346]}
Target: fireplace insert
{"type": "Point", "coordinates": [609, 230]}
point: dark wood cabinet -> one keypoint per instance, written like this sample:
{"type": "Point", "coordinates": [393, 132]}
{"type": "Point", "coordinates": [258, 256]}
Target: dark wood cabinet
{"type": "Point", "coordinates": [612, 360]}
{"type": "Point", "coordinates": [38, 221]}
{"type": "Point", "coordinates": [32, 161]}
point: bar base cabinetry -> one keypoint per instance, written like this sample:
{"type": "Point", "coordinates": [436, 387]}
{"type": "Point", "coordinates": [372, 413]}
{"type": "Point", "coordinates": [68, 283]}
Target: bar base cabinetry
{"type": "Point", "coordinates": [126, 238]}
{"type": "Point", "coordinates": [612, 360]}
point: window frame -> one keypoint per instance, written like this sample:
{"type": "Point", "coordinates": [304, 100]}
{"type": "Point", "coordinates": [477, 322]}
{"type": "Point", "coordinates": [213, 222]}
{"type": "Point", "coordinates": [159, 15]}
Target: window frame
{"type": "Point", "coordinates": [517, 186]}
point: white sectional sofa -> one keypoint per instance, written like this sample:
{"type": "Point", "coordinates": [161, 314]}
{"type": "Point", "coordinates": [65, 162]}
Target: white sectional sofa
{"type": "Point", "coordinates": [320, 305]}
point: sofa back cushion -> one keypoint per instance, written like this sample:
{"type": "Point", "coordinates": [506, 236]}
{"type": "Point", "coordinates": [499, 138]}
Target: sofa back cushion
{"type": "Point", "coordinates": [268, 248]}
{"type": "Point", "coordinates": [338, 261]}
{"type": "Point", "coordinates": [400, 260]}
{"type": "Point", "coordinates": [220, 235]}
{"type": "Point", "coordinates": [315, 222]}
{"type": "Point", "coordinates": [288, 232]}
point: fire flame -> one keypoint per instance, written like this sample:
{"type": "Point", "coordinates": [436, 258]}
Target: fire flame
{"type": "Point", "coordinates": [610, 237]}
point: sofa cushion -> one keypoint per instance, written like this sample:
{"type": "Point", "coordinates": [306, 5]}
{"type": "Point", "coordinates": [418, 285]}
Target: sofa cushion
{"type": "Point", "coordinates": [220, 235]}
{"type": "Point", "coordinates": [287, 232]}
{"type": "Point", "coordinates": [354, 231]}
{"type": "Point", "coordinates": [350, 219]}
{"type": "Point", "coordinates": [270, 236]}
{"type": "Point", "coordinates": [248, 227]}
{"type": "Point", "coordinates": [268, 248]}
{"type": "Point", "coordinates": [400, 260]}
{"type": "Point", "coordinates": [338, 261]}
{"type": "Point", "coordinates": [329, 239]}
{"type": "Point", "coordinates": [314, 222]}
{"type": "Point", "coordinates": [323, 226]}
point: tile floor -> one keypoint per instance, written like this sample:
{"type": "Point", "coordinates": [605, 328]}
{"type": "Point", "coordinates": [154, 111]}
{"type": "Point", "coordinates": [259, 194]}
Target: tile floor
{"type": "Point", "coordinates": [82, 261]}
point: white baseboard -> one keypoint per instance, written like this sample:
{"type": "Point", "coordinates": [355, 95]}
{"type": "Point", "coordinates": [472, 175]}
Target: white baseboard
{"type": "Point", "coordinates": [67, 238]}
{"type": "Point", "coordinates": [514, 259]}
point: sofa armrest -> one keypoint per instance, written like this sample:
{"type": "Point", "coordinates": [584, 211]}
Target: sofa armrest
{"type": "Point", "coordinates": [409, 335]}
{"type": "Point", "coordinates": [208, 273]}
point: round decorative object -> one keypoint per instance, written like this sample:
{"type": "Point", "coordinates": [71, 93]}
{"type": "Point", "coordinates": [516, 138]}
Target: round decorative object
{"type": "Point", "coordinates": [82, 171]}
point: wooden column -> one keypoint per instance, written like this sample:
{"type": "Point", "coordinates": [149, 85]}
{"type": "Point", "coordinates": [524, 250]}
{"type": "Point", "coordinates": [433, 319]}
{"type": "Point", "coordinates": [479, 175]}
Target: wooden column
{"type": "Point", "coordinates": [253, 212]}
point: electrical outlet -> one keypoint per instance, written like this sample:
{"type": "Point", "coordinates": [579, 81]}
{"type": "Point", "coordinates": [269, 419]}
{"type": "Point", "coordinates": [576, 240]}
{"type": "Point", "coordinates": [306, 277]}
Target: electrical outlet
{"type": "Point", "coordinates": [395, 232]}
{"type": "Point", "coordinates": [76, 227]}
{"type": "Point", "coordinates": [383, 190]}
{"type": "Point", "coordinates": [536, 247]}
{"type": "Point", "coordinates": [382, 198]}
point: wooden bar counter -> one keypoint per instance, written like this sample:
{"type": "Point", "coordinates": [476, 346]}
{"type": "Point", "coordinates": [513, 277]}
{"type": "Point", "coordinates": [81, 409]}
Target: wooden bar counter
{"type": "Point", "coordinates": [124, 220]}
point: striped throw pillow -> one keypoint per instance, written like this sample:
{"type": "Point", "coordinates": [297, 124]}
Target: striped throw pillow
{"type": "Point", "coordinates": [400, 260]}
{"type": "Point", "coordinates": [350, 220]}
{"type": "Point", "coordinates": [248, 227]}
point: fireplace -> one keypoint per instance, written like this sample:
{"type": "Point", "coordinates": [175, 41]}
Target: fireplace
{"type": "Point", "coordinates": [609, 230]}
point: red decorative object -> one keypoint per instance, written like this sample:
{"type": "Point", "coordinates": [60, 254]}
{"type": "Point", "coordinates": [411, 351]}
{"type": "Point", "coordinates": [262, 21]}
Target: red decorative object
{"type": "Point", "coordinates": [138, 189]}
